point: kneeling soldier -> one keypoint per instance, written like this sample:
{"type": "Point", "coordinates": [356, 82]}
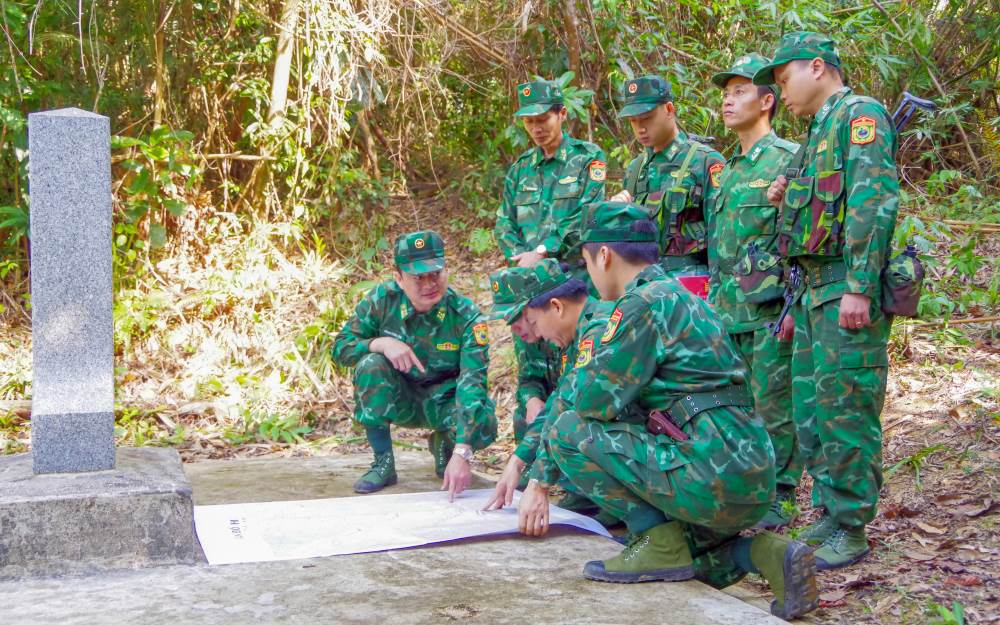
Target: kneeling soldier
{"type": "Point", "coordinates": [420, 352]}
{"type": "Point", "coordinates": [661, 433]}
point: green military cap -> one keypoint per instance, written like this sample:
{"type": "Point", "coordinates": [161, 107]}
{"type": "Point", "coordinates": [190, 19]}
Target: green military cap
{"type": "Point", "coordinates": [798, 45]}
{"type": "Point", "coordinates": [643, 94]}
{"type": "Point", "coordinates": [612, 221]}
{"type": "Point", "coordinates": [419, 252]}
{"type": "Point", "coordinates": [513, 288]}
{"type": "Point", "coordinates": [745, 66]}
{"type": "Point", "coordinates": [535, 98]}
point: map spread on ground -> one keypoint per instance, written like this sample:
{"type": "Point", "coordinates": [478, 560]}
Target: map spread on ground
{"type": "Point", "coordinates": [290, 530]}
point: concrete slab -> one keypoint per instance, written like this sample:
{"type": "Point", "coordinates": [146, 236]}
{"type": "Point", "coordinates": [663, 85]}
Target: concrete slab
{"type": "Point", "coordinates": [495, 580]}
{"type": "Point", "coordinates": [137, 514]}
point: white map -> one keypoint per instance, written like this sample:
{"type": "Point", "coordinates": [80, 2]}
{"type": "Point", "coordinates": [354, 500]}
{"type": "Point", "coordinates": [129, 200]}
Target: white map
{"type": "Point", "coordinates": [289, 530]}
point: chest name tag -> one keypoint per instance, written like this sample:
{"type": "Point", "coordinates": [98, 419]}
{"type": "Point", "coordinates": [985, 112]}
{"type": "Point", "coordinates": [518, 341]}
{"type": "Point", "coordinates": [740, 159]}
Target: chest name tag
{"type": "Point", "coordinates": [447, 347]}
{"type": "Point", "coordinates": [567, 179]}
{"type": "Point", "coordinates": [759, 183]}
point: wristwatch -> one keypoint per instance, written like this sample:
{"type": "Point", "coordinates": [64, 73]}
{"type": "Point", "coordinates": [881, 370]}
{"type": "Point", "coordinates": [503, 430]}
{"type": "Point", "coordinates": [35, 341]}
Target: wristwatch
{"type": "Point", "coordinates": [464, 453]}
{"type": "Point", "coordinates": [541, 250]}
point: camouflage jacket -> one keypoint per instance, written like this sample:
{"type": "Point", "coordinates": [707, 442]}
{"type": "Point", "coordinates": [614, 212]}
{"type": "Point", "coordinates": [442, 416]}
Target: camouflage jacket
{"type": "Point", "coordinates": [593, 319]}
{"type": "Point", "coordinates": [743, 233]}
{"type": "Point", "coordinates": [679, 204]}
{"type": "Point", "coordinates": [661, 345]}
{"type": "Point", "coordinates": [539, 372]}
{"type": "Point", "coordinates": [543, 199]}
{"type": "Point", "coordinates": [450, 340]}
{"type": "Point", "coordinates": [842, 208]}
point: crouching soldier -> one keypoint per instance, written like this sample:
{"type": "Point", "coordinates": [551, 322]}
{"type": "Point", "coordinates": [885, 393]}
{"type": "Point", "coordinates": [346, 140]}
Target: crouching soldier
{"type": "Point", "coordinates": [420, 353]}
{"type": "Point", "coordinates": [661, 433]}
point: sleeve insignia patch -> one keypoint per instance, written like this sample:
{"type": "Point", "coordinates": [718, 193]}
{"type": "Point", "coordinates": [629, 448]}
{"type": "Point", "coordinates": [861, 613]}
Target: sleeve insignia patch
{"type": "Point", "coordinates": [862, 130]}
{"type": "Point", "coordinates": [714, 174]}
{"type": "Point", "coordinates": [482, 334]}
{"type": "Point", "coordinates": [598, 171]}
{"type": "Point", "coordinates": [613, 321]}
{"type": "Point", "coordinates": [584, 353]}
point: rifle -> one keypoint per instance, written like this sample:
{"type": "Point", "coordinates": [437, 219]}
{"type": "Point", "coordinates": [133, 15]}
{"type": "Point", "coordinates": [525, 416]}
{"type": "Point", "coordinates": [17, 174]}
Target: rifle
{"type": "Point", "coordinates": [791, 290]}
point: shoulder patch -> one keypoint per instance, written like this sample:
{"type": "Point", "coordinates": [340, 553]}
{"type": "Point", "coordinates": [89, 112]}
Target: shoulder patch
{"type": "Point", "coordinates": [598, 171]}
{"type": "Point", "coordinates": [482, 334]}
{"type": "Point", "coordinates": [613, 321]}
{"type": "Point", "coordinates": [714, 174]}
{"type": "Point", "coordinates": [862, 130]}
{"type": "Point", "coordinates": [584, 352]}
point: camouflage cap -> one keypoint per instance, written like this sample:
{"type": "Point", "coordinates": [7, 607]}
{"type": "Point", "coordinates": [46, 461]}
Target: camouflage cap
{"type": "Point", "coordinates": [798, 45]}
{"type": "Point", "coordinates": [513, 288]}
{"type": "Point", "coordinates": [419, 252]}
{"type": "Point", "coordinates": [643, 94]}
{"type": "Point", "coordinates": [612, 221]}
{"type": "Point", "coordinates": [745, 66]}
{"type": "Point", "coordinates": [535, 98]}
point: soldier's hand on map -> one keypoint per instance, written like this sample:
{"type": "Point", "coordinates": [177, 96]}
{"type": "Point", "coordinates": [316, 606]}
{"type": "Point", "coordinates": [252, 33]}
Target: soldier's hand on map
{"type": "Point", "coordinates": [397, 352]}
{"type": "Point", "coordinates": [532, 408]}
{"type": "Point", "coordinates": [621, 196]}
{"type": "Point", "coordinates": [457, 476]}
{"type": "Point", "coordinates": [854, 313]}
{"type": "Point", "coordinates": [787, 329]}
{"type": "Point", "coordinates": [533, 510]}
{"type": "Point", "coordinates": [776, 192]}
{"type": "Point", "coordinates": [526, 259]}
{"type": "Point", "coordinates": [507, 484]}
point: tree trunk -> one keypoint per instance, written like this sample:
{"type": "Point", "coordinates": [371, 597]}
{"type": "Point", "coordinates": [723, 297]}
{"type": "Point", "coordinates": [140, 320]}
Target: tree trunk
{"type": "Point", "coordinates": [283, 61]}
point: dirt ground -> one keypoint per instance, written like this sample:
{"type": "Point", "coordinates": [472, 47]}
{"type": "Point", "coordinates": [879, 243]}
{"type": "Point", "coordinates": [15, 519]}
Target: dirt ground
{"type": "Point", "coordinates": [935, 542]}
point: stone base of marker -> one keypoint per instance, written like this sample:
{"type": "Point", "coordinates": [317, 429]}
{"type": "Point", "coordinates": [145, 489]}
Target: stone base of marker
{"type": "Point", "coordinates": [137, 514]}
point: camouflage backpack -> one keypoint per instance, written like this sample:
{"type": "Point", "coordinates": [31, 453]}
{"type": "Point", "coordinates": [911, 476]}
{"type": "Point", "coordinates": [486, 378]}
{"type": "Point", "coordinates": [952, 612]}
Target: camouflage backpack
{"type": "Point", "coordinates": [902, 279]}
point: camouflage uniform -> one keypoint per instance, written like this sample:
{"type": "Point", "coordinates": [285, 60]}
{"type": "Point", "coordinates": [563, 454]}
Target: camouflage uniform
{"type": "Point", "coordinates": [541, 208]}
{"type": "Point", "coordinates": [663, 349]}
{"type": "Point", "coordinates": [746, 278]}
{"type": "Point", "coordinates": [672, 183]}
{"type": "Point", "coordinates": [836, 223]}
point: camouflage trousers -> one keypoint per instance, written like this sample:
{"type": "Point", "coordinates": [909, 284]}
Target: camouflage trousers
{"type": "Point", "coordinates": [383, 397]}
{"type": "Point", "coordinates": [838, 388]}
{"type": "Point", "coordinates": [633, 474]}
{"type": "Point", "coordinates": [770, 363]}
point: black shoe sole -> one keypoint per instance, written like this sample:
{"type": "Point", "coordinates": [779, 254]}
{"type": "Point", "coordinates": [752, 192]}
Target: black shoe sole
{"type": "Point", "coordinates": [823, 565]}
{"type": "Point", "coordinates": [367, 488]}
{"type": "Point", "coordinates": [595, 571]}
{"type": "Point", "coordinates": [801, 594]}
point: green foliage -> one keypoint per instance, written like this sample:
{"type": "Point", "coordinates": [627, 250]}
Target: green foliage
{"type": "Point", "coordinates": [916, 461]}
{"type": "Point", "coordinates": [289, 429]}
{"type": "Point", "coordinates": [481, 241]}
{"type": "Point", "coordinates": [940, 615]}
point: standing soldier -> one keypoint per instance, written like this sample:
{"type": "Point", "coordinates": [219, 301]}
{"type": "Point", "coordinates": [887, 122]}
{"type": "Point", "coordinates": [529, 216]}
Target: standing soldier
{"type": "Point", "coordinates": [539, 217]}
{"type": "Point", "coordinates": [661, 432]}
{"type": "Point", "coordinates": [672, 177]}
{"type": "Point", "coordinates": [745, 268]}
{"type": "Point", "coordinates": [420, 352]}
{"type": "Point", "coordinates": [838, 210]}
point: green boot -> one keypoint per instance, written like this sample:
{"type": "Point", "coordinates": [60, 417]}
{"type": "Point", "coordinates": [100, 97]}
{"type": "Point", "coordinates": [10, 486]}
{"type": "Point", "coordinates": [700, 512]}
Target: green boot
{"type": "Point", "coordinates": [658, 554]}
{"type": "Point", "coordinates": [789, 568]}
{"type": "Point", "coordinates": [782, 512]}
{"type": "Point", "coordinates": [817, 532]}
{"type": "Point", "coordinates": [843, 547]}
{"type": "Point", "coordinates": [441, 446]}
{"type": "Point", "coordinates": [381, 474]}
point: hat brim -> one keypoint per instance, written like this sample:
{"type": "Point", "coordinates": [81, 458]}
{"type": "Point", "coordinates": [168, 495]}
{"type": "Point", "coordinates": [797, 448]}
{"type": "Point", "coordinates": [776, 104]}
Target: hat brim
{"type": "Point", "coordinates": [638, 108]}
{"type": "Point", "coordinates": [534, 109]}
{"type": "Point", "coordinates": [508, 312]}
{"type": "Point", "coordinates": [426, 265]}
{"type": "Point", "coordinates": [722, 78]}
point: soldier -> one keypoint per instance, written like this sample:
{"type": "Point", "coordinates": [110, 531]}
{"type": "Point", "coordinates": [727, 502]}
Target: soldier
{"type": "Point", "coordinates": [539, 217]}
{"type": "Point", "coordinates": [745, 269]}
{"type": "Point", "coordinates": [838, 206]}
{"type": "Point", "coordinates": [672, 177]}
{"type": "Point", "coordinates": [420, 352]}
{"type": "Point", "coordinates": [556, 308]}
{"type": "Point", "coordinates": [661, 432]}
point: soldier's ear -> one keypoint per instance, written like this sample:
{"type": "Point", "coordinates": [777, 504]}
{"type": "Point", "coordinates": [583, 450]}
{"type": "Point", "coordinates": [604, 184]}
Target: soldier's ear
{"type": "Point", "coordinates": [818, 67]}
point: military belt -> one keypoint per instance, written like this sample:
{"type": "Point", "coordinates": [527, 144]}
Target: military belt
{"type": "Point", "coordinates": [687, 406]}
{"type": "Point", "coordinates": [820, 274]}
